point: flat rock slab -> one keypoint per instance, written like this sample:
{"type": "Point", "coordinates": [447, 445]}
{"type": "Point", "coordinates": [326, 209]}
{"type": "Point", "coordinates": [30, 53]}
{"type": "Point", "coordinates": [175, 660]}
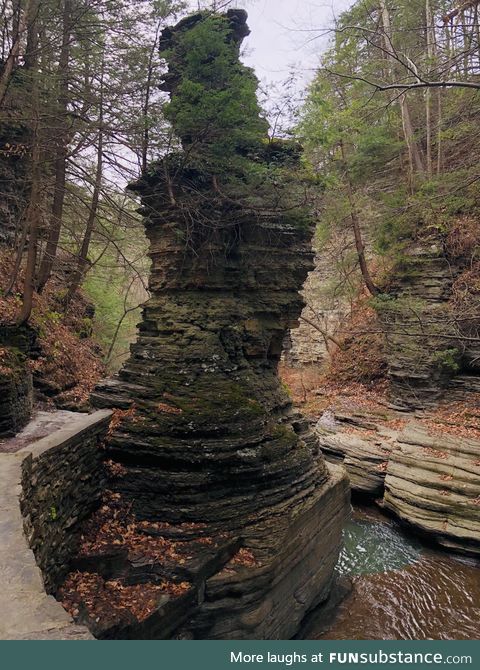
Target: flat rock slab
{"type": "Point", "coordinates": [41, 425]}
{"type": "Point", "coordinates": [362, 444]}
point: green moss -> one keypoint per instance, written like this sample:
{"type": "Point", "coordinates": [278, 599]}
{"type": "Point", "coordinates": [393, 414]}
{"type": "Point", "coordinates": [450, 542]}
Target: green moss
{"type": "Point", "coordinates": [12, 363]}
{"type": "Point", "coordinates": [222, 399]}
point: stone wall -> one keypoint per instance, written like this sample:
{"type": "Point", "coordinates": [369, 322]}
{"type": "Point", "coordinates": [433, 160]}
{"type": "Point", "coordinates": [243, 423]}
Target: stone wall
{"type": "Point", "coordinates": [46, 489]}
{"type": "Point", "coordinates": [61, 485]}
{"type": "Point", "coordinates": [16, 397]}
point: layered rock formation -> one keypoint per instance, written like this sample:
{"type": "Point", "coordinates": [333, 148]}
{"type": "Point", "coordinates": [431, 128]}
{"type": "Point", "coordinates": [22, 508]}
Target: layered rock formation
{"type": "Point", "coordinates": [427, 478]}
{"type": "Point", "coordinates": [433, 483]}
{"type": "Point", "coordinates": [209, 440]}
{"type": "Point", "coordinates": [213, 438]}
{"type": "Point", "coordinates": [421, 351]}
{"type": "Point", "coordinates": [16, 386]}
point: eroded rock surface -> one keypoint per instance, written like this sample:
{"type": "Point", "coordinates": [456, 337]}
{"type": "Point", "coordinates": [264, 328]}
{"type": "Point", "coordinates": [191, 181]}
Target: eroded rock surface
{"type": "Point", "coordinates": [408, 464]}
{"type": "Point", "coordinates": [207, 436]}
{"type": "Point", "coordinates": [211, 436]}
{"type": "Point", "coordinates": [433, 483]}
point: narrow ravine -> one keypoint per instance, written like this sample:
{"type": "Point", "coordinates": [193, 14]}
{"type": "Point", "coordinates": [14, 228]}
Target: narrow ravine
{"type": "Point", "coordinates": [401, 588]}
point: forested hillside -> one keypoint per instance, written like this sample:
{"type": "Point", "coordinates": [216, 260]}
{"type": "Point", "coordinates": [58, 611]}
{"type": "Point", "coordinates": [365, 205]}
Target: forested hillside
{"type": "Point", "coordinates": [80, 117]}
{"type": "Point", "coordinates": [391, 127]}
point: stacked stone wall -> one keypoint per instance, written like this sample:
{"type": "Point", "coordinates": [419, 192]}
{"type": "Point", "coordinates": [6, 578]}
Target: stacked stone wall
{"type": "Point", "coordinates": [62, 481]}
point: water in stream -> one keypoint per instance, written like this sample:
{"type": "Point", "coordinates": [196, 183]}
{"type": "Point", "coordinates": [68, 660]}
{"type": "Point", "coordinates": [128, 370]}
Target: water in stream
{"type": "Point", "coordinates": [402, 590]}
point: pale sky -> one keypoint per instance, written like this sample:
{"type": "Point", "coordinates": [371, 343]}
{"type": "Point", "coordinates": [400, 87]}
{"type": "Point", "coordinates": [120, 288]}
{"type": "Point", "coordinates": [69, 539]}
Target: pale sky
{"type": "Point", "coordinates": [283, 35]}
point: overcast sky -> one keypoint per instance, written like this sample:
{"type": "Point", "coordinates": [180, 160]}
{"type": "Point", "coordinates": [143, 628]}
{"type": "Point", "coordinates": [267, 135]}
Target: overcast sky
{"type": "Point", "coordinates": [282, 32]}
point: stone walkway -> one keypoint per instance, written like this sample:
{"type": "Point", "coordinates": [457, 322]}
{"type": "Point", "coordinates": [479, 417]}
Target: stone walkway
{"type": "Point", "coordinates": [27, 612]}
{"type": "Point", "coordinates": [41, 425]}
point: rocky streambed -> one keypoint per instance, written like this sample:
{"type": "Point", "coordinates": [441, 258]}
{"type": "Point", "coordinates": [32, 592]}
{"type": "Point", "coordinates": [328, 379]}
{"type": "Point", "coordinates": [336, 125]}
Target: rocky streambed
{"type": "Point", "coordinates": [401, 588]}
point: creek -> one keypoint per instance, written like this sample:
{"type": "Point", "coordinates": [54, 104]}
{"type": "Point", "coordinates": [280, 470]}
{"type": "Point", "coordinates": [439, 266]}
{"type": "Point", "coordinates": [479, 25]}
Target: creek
{"type": "Point", "coordinates": [402, 589]}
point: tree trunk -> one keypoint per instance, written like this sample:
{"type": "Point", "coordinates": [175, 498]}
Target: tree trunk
{"type": "Point", "coordinates": [32, 217]}
{"type": "Point", "coordinates": [357, 233]}
{"type": "Point", "coordinates": [61, 151]}
{"type": "Point", "coordinates": [439, 131]}
{"type": "Point", "coordinates": [24, 21]}
{"type": "Point", "coordinates": [82, 260]}
{"type": "Point", "coordinates": [414, 156]}
{"type": "Point", "coordinates": [430, 39]}
{"type": "Point", "coordinates": [146, 103]}
{"type": "Point", "coordinates": [31, 50]}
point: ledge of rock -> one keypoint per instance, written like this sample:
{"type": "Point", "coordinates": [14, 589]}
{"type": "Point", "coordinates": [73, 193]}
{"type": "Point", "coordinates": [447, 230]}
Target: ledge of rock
{"type": "Point", "coordinates": [426, 477]}
{"type": "Point", "coordinates": [433, 484]}
{"type": "Point", "coordinates": [361, 444]}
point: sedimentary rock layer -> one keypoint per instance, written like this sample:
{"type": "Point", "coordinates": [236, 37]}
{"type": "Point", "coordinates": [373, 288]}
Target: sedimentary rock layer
{"type": "Point", "coordinates": [428, 479]}
{"type": "Point", "coordinates": [210, 436]}
{"type": "Point", "coordinates": [433, 483]}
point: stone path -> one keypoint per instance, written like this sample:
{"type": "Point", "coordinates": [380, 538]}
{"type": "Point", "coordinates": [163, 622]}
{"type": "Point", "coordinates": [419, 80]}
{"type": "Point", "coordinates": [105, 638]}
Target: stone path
{"type": "Point", "coordinates": [27, 612]}
{"type": "Point", "coordinates": [41, 425]}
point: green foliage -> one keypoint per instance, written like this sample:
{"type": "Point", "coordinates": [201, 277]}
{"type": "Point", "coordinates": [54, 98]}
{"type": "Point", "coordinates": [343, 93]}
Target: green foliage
{"type": "Point", "coordinates": [447, 361]}
{"type": "Point", "coordinates": [214, 108]}
{"type": "Point", "coordinates": [226, 150]}
{"type": "Point", "coordinates": [387, 304]}
{"type": "Point", "coordinates": [108, 297]}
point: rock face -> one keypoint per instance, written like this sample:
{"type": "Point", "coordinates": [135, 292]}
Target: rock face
{"type": "Point", "coordinates": [432, 329]}
{"type": "Point", "coordinates": [428, 480]}
{"type": "Point", "coordinates": [362, 446]}
{"type": "Point", "coordinates": [16, 390]}
{"type": "Point", "coordinates": [16, 397]}
{"type": "Point", "coordinates": [212, 438]}
{"type": "Point", "coordinates": [433, 483]}
{"type": "Point", "coordinates": [420, 360]}
{"type": "Point", "coordinates": [209, 436]}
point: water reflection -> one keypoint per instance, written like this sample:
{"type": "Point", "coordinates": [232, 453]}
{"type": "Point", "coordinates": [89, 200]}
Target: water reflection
{"type": "Point", "coordinates": [401, 590]}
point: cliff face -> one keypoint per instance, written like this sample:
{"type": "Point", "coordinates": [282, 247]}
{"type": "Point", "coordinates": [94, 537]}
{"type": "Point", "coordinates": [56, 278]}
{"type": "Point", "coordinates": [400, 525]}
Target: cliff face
{"type": "Point", "coordinates": [210, 439]}
{"type": "Point", "coordinates": [422, 352]}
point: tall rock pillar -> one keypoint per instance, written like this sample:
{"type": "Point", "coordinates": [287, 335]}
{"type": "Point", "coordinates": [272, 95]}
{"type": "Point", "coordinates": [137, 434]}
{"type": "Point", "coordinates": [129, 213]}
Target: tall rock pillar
{"type": "Point", "coordinates": [210, 440]}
